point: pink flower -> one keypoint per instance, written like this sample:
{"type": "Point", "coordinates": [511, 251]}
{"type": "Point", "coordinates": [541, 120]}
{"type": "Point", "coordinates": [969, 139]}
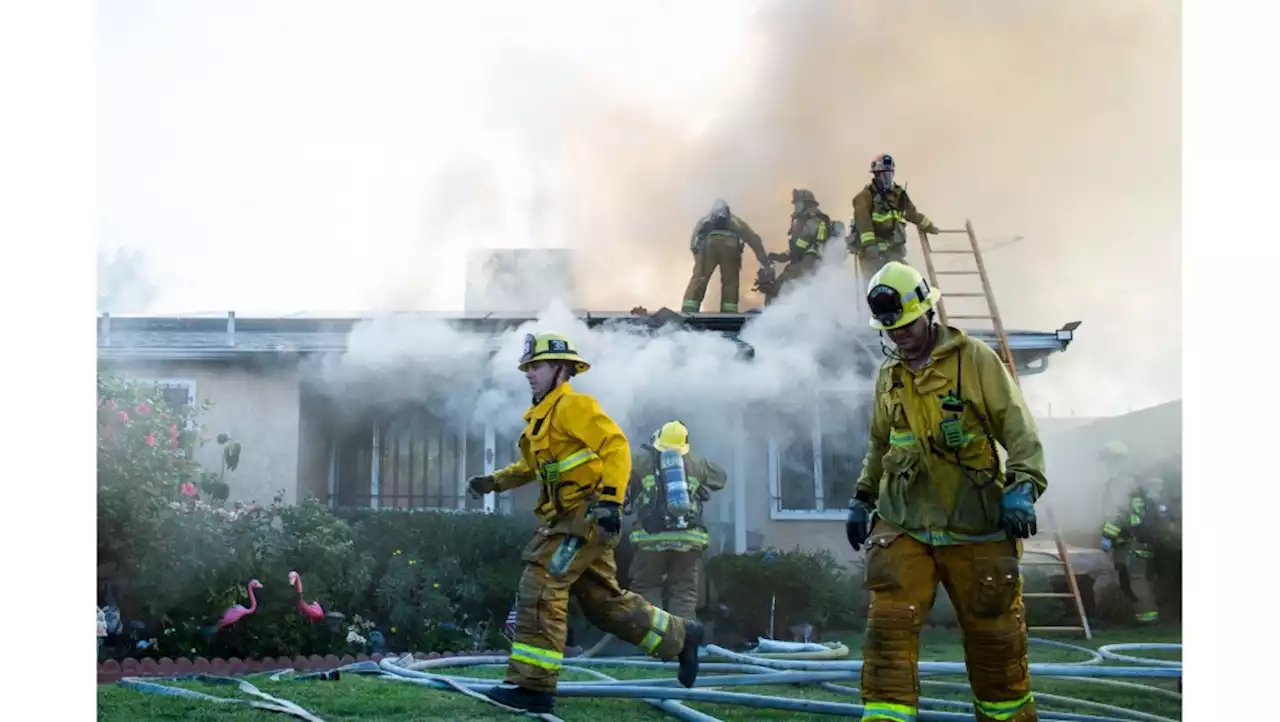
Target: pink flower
{"type": "Point", "coordinates": [124, 415]}
{"type": "Point", "coordinates": [173, 436]}
{"type": "Point", "coordinates": [142, 408]}
{"type": "Point", "coordinates": [150, 438]}
{"type": "Point", "coordinates": [188, 489]}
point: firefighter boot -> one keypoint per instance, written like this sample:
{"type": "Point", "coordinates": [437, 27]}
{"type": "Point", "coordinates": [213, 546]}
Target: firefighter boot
{"type": "Point", "coordinates": [521, 698]}
{"type": "Point", "coordinates": [688, 673]}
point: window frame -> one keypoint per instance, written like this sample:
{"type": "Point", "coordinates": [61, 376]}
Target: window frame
{"type": "Point", "coordinates": [823, 508]}
{"type": "Point", "coordinates": [493, 502]}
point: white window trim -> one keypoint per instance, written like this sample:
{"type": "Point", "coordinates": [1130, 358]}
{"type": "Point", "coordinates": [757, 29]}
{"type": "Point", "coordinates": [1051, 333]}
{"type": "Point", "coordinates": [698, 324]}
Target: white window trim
{"type": "Point", "coordinates": [824, 509]}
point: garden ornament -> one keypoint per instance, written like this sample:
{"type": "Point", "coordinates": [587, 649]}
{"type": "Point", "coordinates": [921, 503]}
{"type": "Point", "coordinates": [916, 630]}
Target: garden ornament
{"type": "Point", "coordinates": [235, 613]}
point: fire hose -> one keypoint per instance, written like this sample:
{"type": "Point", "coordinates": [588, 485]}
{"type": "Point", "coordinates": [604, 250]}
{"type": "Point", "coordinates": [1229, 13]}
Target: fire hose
{"type": "Point", "coordinates": [742, 670]}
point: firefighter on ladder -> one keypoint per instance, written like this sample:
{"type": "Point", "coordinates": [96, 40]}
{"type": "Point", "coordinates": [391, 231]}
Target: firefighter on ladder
{"type": "Point", "coordinates": [809, 232]}
{"type": "Point", "coordinates": [718, 240]}
{"type": "Point", "coordinates": [669, 485]}
{"type": "Point", "coordinates": [583, 462]}
{"type": "Point", "coordinates": [880, 213]}
{"type": "Point", "coordinates": [1131, 538]}
{"type": "Point", "coordinates": [933, 505]}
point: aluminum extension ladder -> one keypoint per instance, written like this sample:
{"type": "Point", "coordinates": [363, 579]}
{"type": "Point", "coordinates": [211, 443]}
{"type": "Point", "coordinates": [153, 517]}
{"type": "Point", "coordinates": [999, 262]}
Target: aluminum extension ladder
{"type": "Point", "coordinates": [992, 315]}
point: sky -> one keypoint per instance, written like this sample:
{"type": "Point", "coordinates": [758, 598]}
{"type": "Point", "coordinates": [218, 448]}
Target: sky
{"type": "Point", "coordinates": [281, 157]}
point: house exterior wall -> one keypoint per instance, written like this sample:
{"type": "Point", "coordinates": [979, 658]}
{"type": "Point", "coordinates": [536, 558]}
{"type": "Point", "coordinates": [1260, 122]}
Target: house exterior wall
{"type": "Point", "coordinates": [259, 408]}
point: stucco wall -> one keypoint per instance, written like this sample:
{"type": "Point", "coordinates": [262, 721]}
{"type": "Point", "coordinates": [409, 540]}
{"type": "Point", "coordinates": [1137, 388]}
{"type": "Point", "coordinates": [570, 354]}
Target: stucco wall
{"type": "Point", "coordinates": [259, 408]}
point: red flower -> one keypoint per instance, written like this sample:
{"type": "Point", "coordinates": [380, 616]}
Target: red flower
{"type": "Point", "coordinates": [124, 415]}
{"type": "Point", "coordinates": [188, 489]}
{"type": "Point", "coordinates": [150, 438]}
{"type": "Point", "coordinates": [173, 435]}
{"type": "Point", "coordinates": [142, 408]}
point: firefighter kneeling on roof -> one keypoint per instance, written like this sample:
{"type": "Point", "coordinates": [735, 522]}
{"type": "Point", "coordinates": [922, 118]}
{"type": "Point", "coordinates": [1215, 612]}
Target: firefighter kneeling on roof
{"type": "Point", "coordinates": [669, 484]}
{"type": "Point", "coordinates": [583, 462]}
{"type": "Point", "coordinates": [932, 505]}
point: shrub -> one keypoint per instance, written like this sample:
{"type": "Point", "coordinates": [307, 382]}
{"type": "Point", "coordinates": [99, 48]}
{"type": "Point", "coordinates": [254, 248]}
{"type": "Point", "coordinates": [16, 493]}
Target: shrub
{"type": "Point", "coordinates": [809, 586]}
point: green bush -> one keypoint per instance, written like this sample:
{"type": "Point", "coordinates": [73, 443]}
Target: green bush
{"type": "Point", "coordinates": [801, 586]}
{"type": "Point", "coordinates": [173, 555]}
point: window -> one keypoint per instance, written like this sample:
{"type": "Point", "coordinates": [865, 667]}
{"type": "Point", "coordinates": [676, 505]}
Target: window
{"type": "Point", "coordinates": [177, 393]}
{"type": "Point", "coordinates": [415, 460]}
{"type": "Point", "coordinates": [815, 456]}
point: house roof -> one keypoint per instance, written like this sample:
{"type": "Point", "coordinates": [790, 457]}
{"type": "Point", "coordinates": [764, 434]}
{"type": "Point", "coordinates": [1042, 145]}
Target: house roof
{"type": "Point", "coordinates": [228, 338]}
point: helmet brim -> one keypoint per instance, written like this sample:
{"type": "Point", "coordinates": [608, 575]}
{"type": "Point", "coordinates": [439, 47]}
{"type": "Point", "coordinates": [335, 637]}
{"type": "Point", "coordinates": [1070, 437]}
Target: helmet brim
{"type": "Point", "coordinates": [581, 365]}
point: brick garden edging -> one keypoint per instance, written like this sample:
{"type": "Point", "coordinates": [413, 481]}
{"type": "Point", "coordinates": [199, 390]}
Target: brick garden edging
{"type": "Point", "coordinates": [111, 671]}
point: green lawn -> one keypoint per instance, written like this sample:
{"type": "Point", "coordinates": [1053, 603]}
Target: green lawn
{"type": "Point", "coordinates": [356, 698]}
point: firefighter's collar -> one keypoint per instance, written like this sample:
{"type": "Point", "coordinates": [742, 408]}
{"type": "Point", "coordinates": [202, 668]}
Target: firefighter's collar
{"type": "Point", "coordinates": [949, 339]}
{"type": "Point", "coordinates": [543, 407]}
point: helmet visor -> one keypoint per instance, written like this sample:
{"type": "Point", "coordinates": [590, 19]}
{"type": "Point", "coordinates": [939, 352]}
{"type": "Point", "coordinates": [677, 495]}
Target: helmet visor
{"type": "Point", "coordinates": [885, 304]}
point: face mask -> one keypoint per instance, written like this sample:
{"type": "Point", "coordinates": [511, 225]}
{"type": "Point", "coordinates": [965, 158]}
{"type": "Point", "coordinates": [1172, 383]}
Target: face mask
{"type": "Point", "coordinates": [884, 181]}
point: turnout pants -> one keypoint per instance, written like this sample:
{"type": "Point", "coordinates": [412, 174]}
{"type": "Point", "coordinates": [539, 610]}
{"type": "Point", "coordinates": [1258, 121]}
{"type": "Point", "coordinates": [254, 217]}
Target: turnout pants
{"type": "Point", "coordinates": [679, 569]}
{"type": "Point", "coordinates": [807, 265]}
{"type": "Point", "coordinates": [720, 252]}
{"type": "Point", "coordinates": [543, 605]}
{"type": "Point", "coordinates": [985, 587]}
{"type": "Point", "coordinates": [872, 258]}
{"type": "Point", "coordinates": [1135, 582]}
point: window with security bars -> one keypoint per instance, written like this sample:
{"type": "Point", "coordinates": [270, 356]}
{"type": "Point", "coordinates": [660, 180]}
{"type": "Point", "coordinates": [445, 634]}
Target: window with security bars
{"type": "Point", "coordinates": [816, 456]}
{"type": "Point", "coordinates": [415, 460]}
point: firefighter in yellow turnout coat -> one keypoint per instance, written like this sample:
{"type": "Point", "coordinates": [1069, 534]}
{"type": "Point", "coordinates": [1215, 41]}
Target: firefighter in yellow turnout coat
{"type": "Point", "coordinates": [583, 462]}
{"type": "Point", "coordinates": [669, 535]}
{"type": "Point", "coordinates": [933, 505]}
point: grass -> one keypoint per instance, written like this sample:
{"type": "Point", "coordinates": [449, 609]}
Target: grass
{"type": "Point", "coordinates": [363, 699]}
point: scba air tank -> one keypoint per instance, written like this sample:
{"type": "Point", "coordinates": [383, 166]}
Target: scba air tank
{"type": "Point", "coordinates": [677, 487]}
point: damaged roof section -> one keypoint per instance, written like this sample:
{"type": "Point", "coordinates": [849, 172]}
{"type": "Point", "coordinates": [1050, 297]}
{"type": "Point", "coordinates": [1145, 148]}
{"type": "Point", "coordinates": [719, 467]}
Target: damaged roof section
{"type": "Point", "coordinates": [228, 338]}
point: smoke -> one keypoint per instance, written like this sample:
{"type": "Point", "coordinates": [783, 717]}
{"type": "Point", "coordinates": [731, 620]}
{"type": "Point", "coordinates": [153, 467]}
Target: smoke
{"type": "Point", "coordinates": [801, 343]}
{"type": "Point", "coordinates": [1058, 122]}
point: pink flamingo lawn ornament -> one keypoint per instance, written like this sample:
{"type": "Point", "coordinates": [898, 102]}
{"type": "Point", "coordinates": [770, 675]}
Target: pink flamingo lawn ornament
{"type": "Point", "coordinates": [233, 615]}
{"type": "Point", "coordinates": [313, 611]}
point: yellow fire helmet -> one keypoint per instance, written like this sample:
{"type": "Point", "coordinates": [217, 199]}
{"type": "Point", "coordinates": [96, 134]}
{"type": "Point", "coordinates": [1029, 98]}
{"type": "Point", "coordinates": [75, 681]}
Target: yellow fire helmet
{"type": "Point", "coordinates": [1114, 450]}
{"type": "Point", "coordinates": [672, 435]}
{"type": "Point", "coordinates": [550, 347]}
{"type": "Point", "coordinates": [898, 295]}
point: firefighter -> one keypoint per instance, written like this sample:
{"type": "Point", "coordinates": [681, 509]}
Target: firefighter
{"type": "Point", "coordinates": [933, 505]}
{"type": "Point", "coordinates": [669, 485]}
{"type": "Point", "coordinates": [810, 230]}
{"type": "Point", "coordinates": [880, 213]}
{"type": "Point", "coordinates": [1122, 482]}
{"type": "Point", "coordinates": [717, 242]}
{"type": "Point", "coordinates": [1131, 538]}
{"type": "Point", "coordinates": [582, 461]}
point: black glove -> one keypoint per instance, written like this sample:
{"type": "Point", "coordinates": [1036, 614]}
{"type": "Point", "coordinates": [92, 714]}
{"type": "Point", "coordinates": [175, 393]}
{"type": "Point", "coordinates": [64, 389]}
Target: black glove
{"type": "Point", "coordinates": [609, 516]}
{"type": "Point", "coordinates": [858, 526]}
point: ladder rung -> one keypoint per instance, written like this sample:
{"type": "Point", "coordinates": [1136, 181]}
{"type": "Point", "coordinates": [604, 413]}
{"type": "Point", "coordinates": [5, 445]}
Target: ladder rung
{"type": "Point", "coordinates": [952, 230]}
{"type": "Point", "coordinates": [958, 273]}
{"type": "Point", "coordinates": [968, 252]}
{"type": "Point", "coordinates": [989, 318]}
{"type": "Point", "coordinates": [1048, 595]}
{"type": "Point", "coordinates": [1056, 629]}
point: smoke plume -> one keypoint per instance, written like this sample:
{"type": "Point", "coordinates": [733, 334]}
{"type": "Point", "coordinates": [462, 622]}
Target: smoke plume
{"type": "Point", "coordinates": [1058, 122]}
